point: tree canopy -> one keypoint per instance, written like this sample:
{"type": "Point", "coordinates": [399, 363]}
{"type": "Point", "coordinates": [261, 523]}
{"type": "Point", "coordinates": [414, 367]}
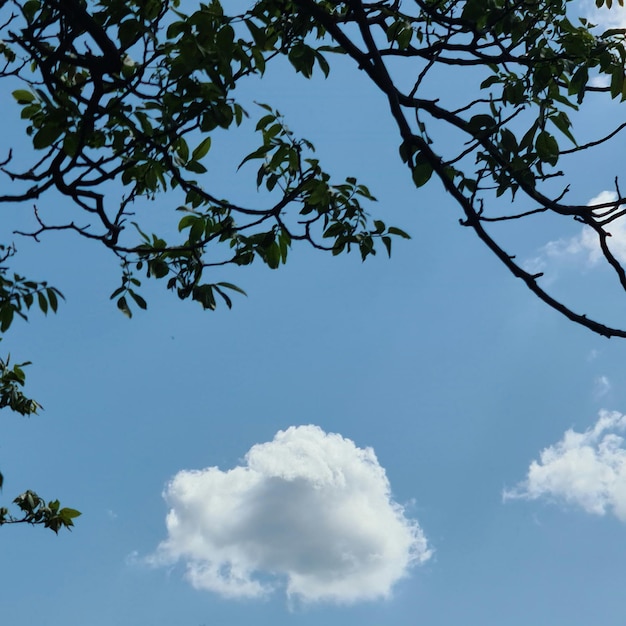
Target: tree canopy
{"type": "Point", "coordinates": [120, 99]}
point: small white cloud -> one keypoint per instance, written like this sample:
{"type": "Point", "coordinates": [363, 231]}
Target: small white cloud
{"type": "Point", "coordinates": [587, 469]}
{"type": "Point", "coordinates": [308, 511]}
{"type": "Point", "coordinates": [593, 354]}
{"type": "Point", "coordinates": [600, 81]}
{"type": "Point", "coordinates": [584, 246]}
{"type": "Point", "coordinates": [601, 386]}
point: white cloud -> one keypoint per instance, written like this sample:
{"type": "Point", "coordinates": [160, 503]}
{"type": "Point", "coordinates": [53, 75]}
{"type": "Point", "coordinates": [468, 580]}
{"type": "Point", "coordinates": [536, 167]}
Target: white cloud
{"type": "Point", "coordinates": [600, 81]}
{"type": "Point", "coordinates": [601, 386]}
{"type": "Point", "coordinates": [587, 469]}
{"type": "Point", "coordinates": [615, 17]}
{"type": "Point", "coordinates": [593, 354]}
{"type": "Point", "coordinates": [308, 511]}
{"type": "Point", "coordinates": [584, 246]}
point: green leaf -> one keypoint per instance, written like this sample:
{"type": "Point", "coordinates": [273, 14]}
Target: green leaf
{"type": "Point", "coordinates": [259, 153]}
{"type": "Point", "coordinates": [182, 150]}
{"type": "Point", "coordinates": [407, 151]}
{"type": "Point", "coordinates": [144, 121]}
{"type": "Point", "coordinates": [176, 28]}
{"type": "Point", "coordinates": [547, 148]}
{"type": "Point", "coordinates": [387, 243]}
{"type": "Point", "coordinates": [508, 140]}
{"type": "Point", "coordinates": [265, 120]}
{"type": "Point", "coordinates": [46, 136]}
{"type": "Point", "coordinates": [69, 513]}
{"type": "Point", "coordinates": [578, 82]}
{"type": "Point", "coordinates": [474, 10]}
{"type": "Point", "coordinates": [23, 96]}
{"type": "Point", "coordinates": [302, 57]}
{"type": "Point", "coordinates": [197, 229]}
{"type": "Point", "coordinates": [224, 39]}
{"type": "Point", "coordinates": [70, 144]}
{"type": "Point", "coordinates": [204, 295]}
{"type": "Point", "coordinates": [141, 303]}
{"type": "Point", "coordinates": [52, 299]}
{"type": "Point", "coordinates": [225, 297]}
{"type": "Point", "coordinates": [122, 305]}
{"type": "Point", "coordinates": [323, 63]}
{"type": "Point", "coordinates": [272, 255]}
{"type": "Point", "coordinates": [129, 32]}
{"type": "Point", "coordinates": [201, 150]}
{"type": "Point", "coordinates": [194, 166]}
{"type": "Point", "coordinates": [527, 139]}
{"type": "Point", "coordinates": [392, 230]}
{"type": "Point", "coordinates": [422, 171]}
{"type": "Point", "coordinates": [6, 317]}
{"type": "Point", "coordinates": [158, 268]}
{"type": "Point", "coordinates": [43, 303]}
{"type": "Point", "coordinates": [481, 122]}
{"type": "Point", "coordinates": [233, 288]}
{"type": "Point", "coordinates": [490, 81]}
{"type": "Point", "coordinates": [562, 122]}
{"type": "Point", "coordinates": [617, 81]}
{"type": "Point", "coordinates": [30, 8]}
{"type": "Point", "coordinates": [186, 222]}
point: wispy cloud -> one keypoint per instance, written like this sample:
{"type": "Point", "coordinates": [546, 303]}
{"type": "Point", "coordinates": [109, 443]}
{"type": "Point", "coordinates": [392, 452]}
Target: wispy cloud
{"type": "Point", "coordinates": [583, 247]}
{"type": "Point", "coordinates": [586, 469]}
{"type": "Point", "coordinates": [308, 511]}
{"type": "Point", "coordinates": [593, 354]}
{"type": "Point", "coordinates": [601, 386]}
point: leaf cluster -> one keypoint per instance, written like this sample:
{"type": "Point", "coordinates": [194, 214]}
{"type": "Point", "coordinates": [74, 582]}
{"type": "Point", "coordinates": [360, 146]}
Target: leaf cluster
{"type": "Point", "coordinates": [141, 113]}
{"type": "Point", "coordinates": [510, 132]}
{"type": "Point", "coordinates": [35, 511]}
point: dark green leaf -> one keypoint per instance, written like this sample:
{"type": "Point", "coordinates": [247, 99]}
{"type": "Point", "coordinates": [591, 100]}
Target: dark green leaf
{"type": "Point", "coordinates": [46, 136]}
{"type": "Point", "coordinates": [194, 166]}
{"type": "Point", "coordinates": [141, 303]}
{"type": "Point", "coordinates": [52, 299]}
{"type": "Point", "coordinates": [122, 305]}
{"type": "Point", "coordinates": [129, 32]}
{"type": "Point", "coordinates": [547, 148]}
{"type": "Point", "coordinates": [392, 230]}
{"type": "Point", "coordinates": [617, 81]}
{"type": "Point", "coordinates": [387, 243]}
{"type": "Point", "coordinates": [43, 303]}
{"type": "Point", "coordinates": [422, 171]}
{"type": "Point", "coordinates": [233, 288]}
{"type": "Point", "coordinates": [158, 268]}
{"type": "Point", "coordinates": [259, 153]}
{"type": "Point", "coordinates": [481, 122]}
{"type": "Point", "coordinates": [272, 255]}
{"type": "Point", "coordinates": [561, 121]}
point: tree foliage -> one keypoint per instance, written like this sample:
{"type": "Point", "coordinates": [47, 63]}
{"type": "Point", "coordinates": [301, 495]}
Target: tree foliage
{"type": "Point", "coordinates": [32, 508]}
{"type": "Point", "coordinates": [120, 100]}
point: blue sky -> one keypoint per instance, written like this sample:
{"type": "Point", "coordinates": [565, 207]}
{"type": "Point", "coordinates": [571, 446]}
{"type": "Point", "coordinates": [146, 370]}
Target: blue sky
{"type": "Point", "coordinates": [437, 360]}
